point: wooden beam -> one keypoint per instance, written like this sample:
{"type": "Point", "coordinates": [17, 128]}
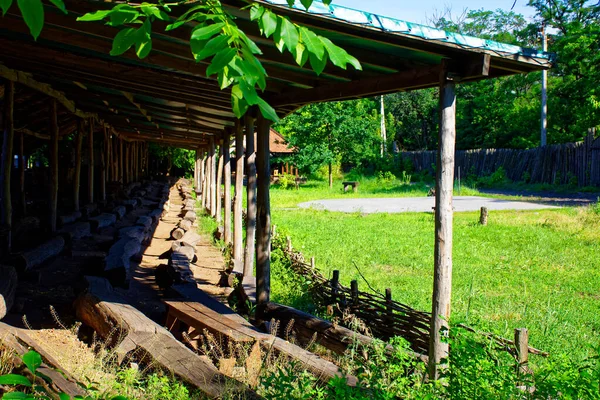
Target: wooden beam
{"type": "Point", "coordinates": [227, 187]}
{"type": "Point", "coordinates": [442, 277]}
{"type": "Point", "coordinates": [54, 134]}
{"type": "Point", "coordinates": [7, 157]}
{"type": "Point", "coordinates": [250, 196]}
{"type": "Point", "coordinates": [263, 226]}
{"type": "Point", "coordinates": [361, 88]}
{"type": "Point", "coordinates": [26, 80]}
{"type": "Point", "coordinates": [121, 161]}
{"type": "Point", "coordinates": [77, 172]}
{"type": "Point", "coordinates": [238, 227]}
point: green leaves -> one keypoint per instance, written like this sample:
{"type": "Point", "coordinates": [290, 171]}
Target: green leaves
{"type": "Point", "coordinates": [339, 57]}
{"type": "Point", "coordinates": [210, 48]}
{"type": "Point", "coordinates": [123, 41]}
{"type": "Point", "coordinates": [268, 23]}
{"type": "Point", "coordinates": [60, 5]}
{"type": "Point", "coordinates": [32, 360]}
{"type": "Point", "coordinates": [288, 34]}
{"type": "Point", "coordinates": [5, 5]}
{"type": "Point", "coordinates": [221, 60]}
{"type": "Point", "coordinates": [206, 31]}
{"type": "Point", "coordinates": [33, 15]}
{"type": "Point", "coordinates": [14, 379]}
{"type": "Point", "coordinates": [94, 16]}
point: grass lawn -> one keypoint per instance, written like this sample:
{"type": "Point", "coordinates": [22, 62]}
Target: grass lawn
{"type": "Point", "coordinates": [534, 269]}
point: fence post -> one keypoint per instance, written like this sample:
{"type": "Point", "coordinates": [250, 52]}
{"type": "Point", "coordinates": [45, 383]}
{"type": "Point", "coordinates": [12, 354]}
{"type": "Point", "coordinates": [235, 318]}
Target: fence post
{"type": "Point", "coordinates": [522, 348]}
{"type": "Point", "coordinates": [312, 263]}
{"type": "Point", "coordinates": [289, 244]}
{"type": "Point", "coordinates": [389, 308]}
{"type": "Point", "coordinates": [354, 292]}
{"type": "Point", "coordinates": [335, 281]}
{"type": "Point", "coordinates": [483, 216]}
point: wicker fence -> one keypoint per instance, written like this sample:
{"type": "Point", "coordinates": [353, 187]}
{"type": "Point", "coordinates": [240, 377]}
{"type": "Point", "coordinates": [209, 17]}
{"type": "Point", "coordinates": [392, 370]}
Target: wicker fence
{"type": "Point", "coordinates": [384, 317]}
{"type": "Point", "coordinates": [569, 163]}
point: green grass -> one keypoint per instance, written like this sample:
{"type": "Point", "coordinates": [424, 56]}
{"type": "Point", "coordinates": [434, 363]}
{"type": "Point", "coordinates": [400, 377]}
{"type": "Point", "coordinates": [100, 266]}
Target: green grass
{"type": "Point", "coordinates": [533, 269]}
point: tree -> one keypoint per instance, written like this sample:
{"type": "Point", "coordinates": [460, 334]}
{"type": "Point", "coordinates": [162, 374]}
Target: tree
{"type": "Point", "coordinates": [328, 133]}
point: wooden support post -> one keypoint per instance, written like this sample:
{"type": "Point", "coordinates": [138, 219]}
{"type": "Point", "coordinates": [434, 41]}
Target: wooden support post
{"type": "Point", "coordinates": [205, 163]}
{"type": "Point", "coordinates": [77, 174]}
{"type": "Point", "coordinates": [442, 277]}
{"type": "Point", "coordinates": [483, 216]}
{"type": "Point", "coordinates": [127, 162]}
{"type": "Point", "coordinates": [121, 162]}
{"type": "Point", "coordinates": [263, 220]}
{"type": "Point", "coordinates": [218, 215]}
{"type": "Point", "coordinates": [335, 284]}
{"type": "Point", "coordinates": [227, 187]}
{"type": "Point", "coordinates": [22, 168]}
{"type": "Point", "coordinates": [54, 135]}
{"type": "Point", "coordinates": [212, 179]}
{"type": "Point", "coordinates": [201, 171]}
{"type": "Point", "coordinates": [91, 163]}
{"type": "Point", "coordinates": [250, 197]}
{"type": "Point", "coordinates": [389, 308]}
{"type": "Point", "coordinates": [238, 223]}
{"type": "Point", "coordinates": [196, 171]}
{"type": "Point", "coordinates": [7, 158]}
{"type": "Point", "coordinates": [354, 292]}
{"type": "Point", "coordinates": [522, 348]}
{"type": "Point", "coordinates": [103, 166]}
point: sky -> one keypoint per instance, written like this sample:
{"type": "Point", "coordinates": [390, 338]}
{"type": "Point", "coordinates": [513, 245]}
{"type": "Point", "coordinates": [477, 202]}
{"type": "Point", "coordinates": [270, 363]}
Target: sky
{"type": "Point", "coordinates": [420, 10]}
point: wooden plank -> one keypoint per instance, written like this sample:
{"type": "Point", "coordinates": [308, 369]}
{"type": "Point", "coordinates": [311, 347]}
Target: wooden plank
{"type": "Point", "coordinates": [250, 196]}
{"type": "Point", "coordinates": [263, 201]}
{"type": "Point", "coordinates": [103, 309]}
{"type": "Point", "coordinates": [238, 223]}
{"type": "Point", "coordinates": [442, 283]}
{"type": "Point", "coordinates": [203, 318]}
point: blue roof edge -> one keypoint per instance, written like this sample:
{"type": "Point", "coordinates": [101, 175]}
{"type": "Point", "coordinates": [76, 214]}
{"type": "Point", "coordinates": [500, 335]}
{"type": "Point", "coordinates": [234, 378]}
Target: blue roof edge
{"type": "Point", "coordinates": [392, 25]}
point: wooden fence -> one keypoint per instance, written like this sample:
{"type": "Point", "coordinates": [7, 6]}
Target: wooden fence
{"type": "Point", "coordinates": [569, 163]}
{"type": "Point", "coordinates": [384, 317]}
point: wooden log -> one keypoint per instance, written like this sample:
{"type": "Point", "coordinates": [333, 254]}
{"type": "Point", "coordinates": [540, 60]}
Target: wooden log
{"type": "Point", "coordinates": [102, 221]}
{"type": "Point", "coordinates": [60, 379]}
{"type": "Point", "coordinates": [177, 233]}
{"type": "Point", "coordinates": [35, 257]}
{"type": "Point", "coordinates": [250, 198]}
{"type": "Point", "coordinates": [442, 283]}
{"type": "Point", "coordinates": [7, 158]}
{"type": "Point", "coordinates": [25, 228]}
{"type": "Point", "coordinates": [133, 232]}
{"type": "Point", "coordinates": [119, 211]}
{"type": "Point", "coordinates": [77, 230]}
{"type": "Point", "coordinates": [144, 221]}
{"type": "Point", "coordinates": [238, 227]}
{"type": "Point", "coordinates": [483, 216]}
{"type": "Point", "coordinates": [185, 224]}
{"type": "Point", "coordinates": [522, 349]}
{"type": "Point", "coordinates": [54, 134]}
{"type": "Point", "coordinates": [183, 249]}
{"type": "Point", "coordinates": [8, 288]}
{"type": "Point", "coordinates": [156, 215]}
{"type": "Point", "coordinates": [190, 216]}
{"type": "Point", "coordinates": [69, 218]}
{"type": "Point", "coordinates": [104, 310]}
{"type": "Point", "coordinates": [305, 326]}
{"type": "Point", "coordinates": [118, 261]}
{"type": "Point", "coordinates": [191, 238]}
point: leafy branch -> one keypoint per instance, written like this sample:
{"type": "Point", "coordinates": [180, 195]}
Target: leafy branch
{"type": "Point", "coordinates": [215, 36]}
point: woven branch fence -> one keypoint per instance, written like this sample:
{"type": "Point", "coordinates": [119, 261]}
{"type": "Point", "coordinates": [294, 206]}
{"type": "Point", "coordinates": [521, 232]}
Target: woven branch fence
{"type": "Point", "coordinates": [569, 163]}
{"type": "Point", "coordinates": [384, 317]}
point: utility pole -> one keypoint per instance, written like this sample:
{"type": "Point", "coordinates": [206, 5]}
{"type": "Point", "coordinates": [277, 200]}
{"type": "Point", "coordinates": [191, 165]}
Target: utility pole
{"type": "Point", "coordinates": [544, 115]}
{"type": "Point", "coordinates": [383, 131]}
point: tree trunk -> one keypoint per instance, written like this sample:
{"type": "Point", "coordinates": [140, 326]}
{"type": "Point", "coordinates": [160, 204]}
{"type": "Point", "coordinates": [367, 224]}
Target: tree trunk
{"type": "Point", "coordinates": [330, 175]}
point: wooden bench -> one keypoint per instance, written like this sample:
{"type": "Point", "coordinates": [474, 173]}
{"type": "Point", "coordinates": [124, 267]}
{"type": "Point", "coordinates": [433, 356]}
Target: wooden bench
{"type": "Point", "coordinates": [195, 317]}
{"type": "Point", "coordinates": [349, 184]}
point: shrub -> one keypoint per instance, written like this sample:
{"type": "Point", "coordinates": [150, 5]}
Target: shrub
{"type": "Point", "coordinates": [385, 177]}
{"type": "Point", "coordinates": [287, 181]}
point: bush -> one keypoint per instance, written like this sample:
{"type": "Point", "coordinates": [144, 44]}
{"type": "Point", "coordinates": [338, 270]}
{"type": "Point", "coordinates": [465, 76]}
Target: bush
{"type": "Point", "coordinates": [286, 181]}
{"type": "Point", "coordinates": [495, 179]}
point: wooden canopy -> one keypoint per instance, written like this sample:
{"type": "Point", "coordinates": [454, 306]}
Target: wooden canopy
{"type": "Point", "coordinates": [167, 98]}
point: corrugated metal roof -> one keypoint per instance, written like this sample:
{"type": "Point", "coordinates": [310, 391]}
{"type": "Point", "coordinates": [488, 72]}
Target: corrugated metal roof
{"type": "Point", "coordinates": [392, 25]}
